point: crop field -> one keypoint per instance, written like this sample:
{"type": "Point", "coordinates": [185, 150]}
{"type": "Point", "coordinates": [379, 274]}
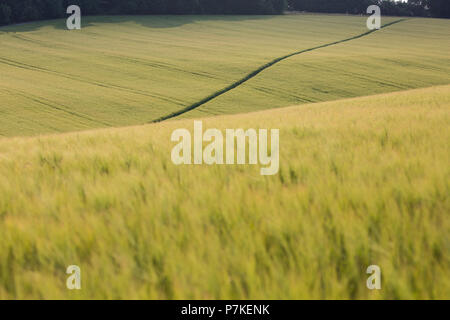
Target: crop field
{"type": "Point", "coordinates": [411, 54]}
{"type": "Point", "coordinates": [362, 181]}
{"type": "Point", "coordinates": [120, 71]}
{"type": "Point", "coordinates": [87, 178]}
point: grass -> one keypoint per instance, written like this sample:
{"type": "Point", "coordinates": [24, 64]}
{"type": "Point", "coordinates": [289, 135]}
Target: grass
{"type": "Point", "coordinates": [120, 71]}
{"type": "Point", "coordinates": [363, 181]}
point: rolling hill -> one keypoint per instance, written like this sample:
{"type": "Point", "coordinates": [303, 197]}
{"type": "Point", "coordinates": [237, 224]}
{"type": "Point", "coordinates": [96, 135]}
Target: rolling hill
{"type": "Point", "coordinates": [86, 119]}
{"type": "Point", "coordinates": [120, 71]}
{"type": "Point", "coordinates": [410, 54]}
{"type": "Point", "coordinates": [362, 181]}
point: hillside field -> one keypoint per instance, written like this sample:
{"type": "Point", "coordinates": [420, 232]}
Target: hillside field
{"type": "Point", "coordinates": [87, 179]}
{"type": "Point", "coordinates": [363, 181]}
{"type": "Point", "coordinates": [119, 71]}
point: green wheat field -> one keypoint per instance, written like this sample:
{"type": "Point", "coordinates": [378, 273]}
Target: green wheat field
{"type": "Point", "coordinates": [87, 177]}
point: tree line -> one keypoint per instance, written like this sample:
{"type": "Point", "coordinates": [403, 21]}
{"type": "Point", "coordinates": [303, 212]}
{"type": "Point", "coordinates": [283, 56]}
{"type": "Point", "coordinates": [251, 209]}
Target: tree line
{"type": "Point", "coordinates": [16, 11]}
{"type": "Point", "coordinates": [421, 8]}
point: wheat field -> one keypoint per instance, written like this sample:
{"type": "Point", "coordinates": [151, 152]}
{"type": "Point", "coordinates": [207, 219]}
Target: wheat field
{"type": "Point", "coordinates": [87, 179]}
{"type": "Point", "coordinates": [362, 181]}
{"type": "Point", "coordinates": [121, 70]}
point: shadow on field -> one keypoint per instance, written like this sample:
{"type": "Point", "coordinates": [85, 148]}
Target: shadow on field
{"type": "Point", "coordinates": [149, 21]}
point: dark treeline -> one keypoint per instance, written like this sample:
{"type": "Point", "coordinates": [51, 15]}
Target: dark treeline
{"type": "Point", "coordinates": [16, 11]}
{"type": "Point", "coordinates": [421, 8]}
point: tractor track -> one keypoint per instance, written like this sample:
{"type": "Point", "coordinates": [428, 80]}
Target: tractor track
{"type": "Point", "coordinates": [261, 69]}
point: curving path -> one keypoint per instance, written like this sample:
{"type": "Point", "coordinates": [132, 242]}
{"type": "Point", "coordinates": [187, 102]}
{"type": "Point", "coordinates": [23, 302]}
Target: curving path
{"type": "Point", "coordinates": [262, 68]}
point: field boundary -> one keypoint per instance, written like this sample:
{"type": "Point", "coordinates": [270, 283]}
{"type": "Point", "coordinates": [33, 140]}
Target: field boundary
{"type": "Point", "coordinates": [261, 69]}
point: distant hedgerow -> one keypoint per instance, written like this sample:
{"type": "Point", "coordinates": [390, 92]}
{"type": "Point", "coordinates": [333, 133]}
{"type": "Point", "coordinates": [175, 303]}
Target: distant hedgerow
{"type": "Point", "coordinates": [14, 11]}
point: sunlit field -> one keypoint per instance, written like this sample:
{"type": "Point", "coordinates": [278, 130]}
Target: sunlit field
{"type": "Point", "coordinates": [87, 178]}
{"type": "Point", "coordinates": [119, 71]}
{"type": "Point", "coordinates": [411, 54]}
{"type": "Point", "coordinates": [362, 181]}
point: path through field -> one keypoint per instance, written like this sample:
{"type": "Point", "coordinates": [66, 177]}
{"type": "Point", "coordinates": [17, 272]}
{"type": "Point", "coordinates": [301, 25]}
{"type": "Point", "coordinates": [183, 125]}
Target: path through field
{"type": "Point", "coordinates": [121, 71]}
{"type": "Point", "coordinates": [261, 69]}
